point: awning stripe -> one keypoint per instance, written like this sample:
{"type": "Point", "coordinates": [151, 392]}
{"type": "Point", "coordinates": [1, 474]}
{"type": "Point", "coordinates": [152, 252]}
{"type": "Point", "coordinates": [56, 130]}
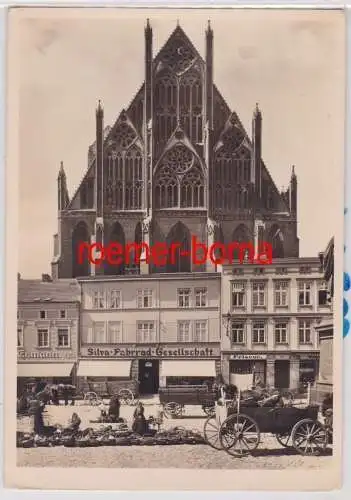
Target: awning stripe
{"type": "Point", "coordinates": [92, 368]}
{"type": "Point", "coordinates": [188, 369]}
{"type": "Point", "coordinates": [44, 369]}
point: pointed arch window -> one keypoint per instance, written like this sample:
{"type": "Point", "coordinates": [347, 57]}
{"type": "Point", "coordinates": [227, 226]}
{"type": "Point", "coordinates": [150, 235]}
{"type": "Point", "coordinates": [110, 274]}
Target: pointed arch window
{"type": "Point", "coordinates": [124, 179]}
{"type": "Point", "coordinates": [165, 108]}
{"type": "Point", "coordinates": [190, 104]}
{"type": "Point", "coordinates": [80, 261]}
{"type": "Point", "coordinates": [179, 181]}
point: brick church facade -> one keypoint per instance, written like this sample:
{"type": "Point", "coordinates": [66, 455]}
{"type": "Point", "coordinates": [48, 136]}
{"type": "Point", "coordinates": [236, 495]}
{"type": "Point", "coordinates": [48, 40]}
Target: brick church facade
{"type": "Point", "coordinates": [176, 163]}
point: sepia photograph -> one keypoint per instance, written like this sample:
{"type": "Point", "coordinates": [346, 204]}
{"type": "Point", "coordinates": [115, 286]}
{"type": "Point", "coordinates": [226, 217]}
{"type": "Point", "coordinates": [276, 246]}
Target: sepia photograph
{"type": "Point", "coordinates": [174, 244]}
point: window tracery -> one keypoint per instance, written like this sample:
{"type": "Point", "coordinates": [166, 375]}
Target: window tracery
{"type": "Point", "coordinates": [123, 136]}
{"type": "Point", "coordinates": [124, 183]}
{"type": "Point", "coordinates": [179, 182]}
{"type": "Point", "coordinates": [165, 99]}
{"type": "Point", "coordinates": [178, 56]}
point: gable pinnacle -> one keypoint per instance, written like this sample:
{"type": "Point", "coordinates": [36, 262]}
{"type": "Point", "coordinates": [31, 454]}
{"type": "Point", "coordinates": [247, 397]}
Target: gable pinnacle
{"type": "Point", "coordinates": [293, 174]}
{"type": "Point", "coordinates": [209, 29]}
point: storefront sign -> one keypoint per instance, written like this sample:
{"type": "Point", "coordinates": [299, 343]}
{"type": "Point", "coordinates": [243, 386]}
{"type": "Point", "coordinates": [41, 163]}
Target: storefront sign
{"type": "Point", "coordinates": [168, 352]}
{"type": "Point", "coordinates": [39, 355]}
{"type": "Point", "coordinates": [248, 356]}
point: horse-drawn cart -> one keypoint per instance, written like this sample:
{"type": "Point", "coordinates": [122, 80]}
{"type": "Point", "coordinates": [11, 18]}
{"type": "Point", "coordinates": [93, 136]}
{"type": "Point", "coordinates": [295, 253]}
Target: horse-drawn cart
{"type": "Point", "coordinates": [174, 399]}
{"type": "Point", "coordinates": [237, 428]}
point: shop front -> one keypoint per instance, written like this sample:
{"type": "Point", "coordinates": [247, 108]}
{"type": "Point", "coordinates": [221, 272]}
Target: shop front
{"type": "Point", "coordinates": [43, 368]}
{"type": "Point", "coordinates": [279, 370]}
{"type": "Point", "coordinates": [148, 367]}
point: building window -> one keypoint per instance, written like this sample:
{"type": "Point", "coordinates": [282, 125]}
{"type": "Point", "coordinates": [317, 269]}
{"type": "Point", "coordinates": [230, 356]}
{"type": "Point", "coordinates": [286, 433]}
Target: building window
{"type": "Point", "coordinates": [304, 332]}
{"type": "Point", "coordinates": [184, 297]}
{"type": "Point", "coordinates": [281, 333]}
{"type": "Point", "coordinates": [19, 336]}
{"type": "Point", "coordinates": [98, 300]}
{"type": "Point", "coordinates": [258, 294]}
{"type": "Point", "coordinates": [115, 299]}
{"type": "Point", "coordinates": [146, 332]}
{"type": "Point", "coordinates": [63, 337]}
{"type": "Point", "coordinates": [42, 315]}
{"type": "Point", "coordinates": [258, 333]}
{"type": "Point", "coordinates": [43, 337]}
{"type": "Point", "coordinates": [184, 331]}
{"type": "Point", "coordinates": [238, 294]}
{"type": "Point", "coordinates": [305, 293]}
{"type": "Point", "coordinates": [63, 314]}
{"type": "Point", "coordinates": [200, 297]}
{"type": "Point", "coordinates": [114, 332]}
{"type": "Point", "coordinates": [99, 336]}
{"type": "Point", "coordinates": [281, 290]}
{"type": "Point", "coordinates": [237, 332]}
{"type": "Point", "coordinates": [200, 333]}
{"type": "Point", "coordinates": [144, 299]}
{"type": "Point", "coordinates": [322, 294]}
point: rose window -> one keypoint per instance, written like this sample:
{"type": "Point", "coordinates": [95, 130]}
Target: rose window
{"type": "Point", "coordinates": [180, 159]}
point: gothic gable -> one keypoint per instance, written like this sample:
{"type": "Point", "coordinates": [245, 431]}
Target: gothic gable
{"type": "Point", "coordinates": [178, 54]}
{"type": "Point", "coordinates": [122, 135]}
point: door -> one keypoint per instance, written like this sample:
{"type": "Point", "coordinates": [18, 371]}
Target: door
{"type": "Point", "coordinates": [148, 376]}
{"type": "Point", "coordinates": [282, 374]}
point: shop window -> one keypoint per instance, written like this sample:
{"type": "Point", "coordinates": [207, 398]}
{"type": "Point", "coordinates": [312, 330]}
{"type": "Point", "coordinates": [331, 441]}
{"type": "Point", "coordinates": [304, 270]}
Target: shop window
{"type": "Point", "coordinates": [146, 332]}
{"type": "Point", "coordinates": [281, 333]}
{"type": "Point", "coordinates": [258, 294]}
{"type": "Point", "coordinates": [42, 314]}
{"type": "Point", "coordinates": [200, 297]}
{"type": "Point", "coordinates": [242, 367]}
{"type": "Point", "coordinates": [200, 381]}
{"type": "Point", "coordinates": [99, 336]}
{"type": "Point", "coordinates": [63, 314]}
{"type": "Point", "coordinates": [43, 337]}
{"type": "Point", "coordinates": [238, 294]}
{"type": "Point", "coordinates": [258, 332]}
{"type": "Point", "coordinates": [237, 332]}
{"type": "Point", "coordinates": [200, 331]}
{"type": "Point", "coordinates": [281, 291]}
{"type": "Point", "coordinates": [308, 371]}
{"type": "Point", "coordinates": [114, 332]}
{"type": "Point", "coordinates": [304, 332]}
{"type": "Point", "coordinates": [115, 299]}
{"type": "Point", "coordinates": [63, 337]}
{"type": "Point", "coordinates": [98, 300]}
{"type": "Point", "coordinates": [144, 299]}
{"type": "Point", "coordinates": [184, 333]}
{"type": "Point", "coordinates": [184, 297]}
{"type": "Point", "coordinates": [19, 336]}
{"type": "Point", "coordinates": [305, 289]}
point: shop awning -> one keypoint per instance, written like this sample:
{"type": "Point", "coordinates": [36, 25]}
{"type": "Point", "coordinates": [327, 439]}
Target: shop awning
{"type": "Point", "coordinates": [188, 369]}
{"type": "Point", "coordinates": [44, 369]}
{"type": "Point", "coordinates": [92, 368]}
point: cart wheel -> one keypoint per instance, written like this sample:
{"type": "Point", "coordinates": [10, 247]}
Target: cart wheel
{"type": "Point", "coordinates": [172, 410]}
{"type": "Point", "coordinates": [211, 433]}
{"type": "Point", "coordinates": [309, 437]}
{"type": "Point", "coordinates": [239, 435]}
{"type": "Point", "coordinates": [209, 409]}
{"type": "Point", "coordinates": [284, 439]}
{"type": "Point", "coordinates": [91, 398]}
{"type": "Point", "coordinates": [126, 396]}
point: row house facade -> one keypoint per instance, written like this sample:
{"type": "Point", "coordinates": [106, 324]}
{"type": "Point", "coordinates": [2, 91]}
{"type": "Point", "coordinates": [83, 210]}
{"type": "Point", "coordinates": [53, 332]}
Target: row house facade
{"type": "Point", "coordinates": [153, 329]}
{"type": "Point", "coordinates": [269, 319]}
{"type": "Point", "coordinates": [47, 331]}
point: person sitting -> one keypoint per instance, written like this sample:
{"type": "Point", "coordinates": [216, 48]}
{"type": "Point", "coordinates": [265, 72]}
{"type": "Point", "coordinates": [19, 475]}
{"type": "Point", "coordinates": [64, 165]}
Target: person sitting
{"type": "Point", "coordinates": [114, 408]}
{"type": "Point", "coordinates": [74, 423]}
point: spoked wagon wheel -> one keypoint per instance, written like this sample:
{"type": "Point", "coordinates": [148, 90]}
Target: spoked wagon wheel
{"type": "Point", "coordinates": [284, 439]}
{"type": "Point", "coordinates": [126, 396]}
{"type": "Point", "coordinates": [211, 433]}
{"type": "Point", "coordinates": [239, 435]}
{"type": "Point", "coordinates": [309, 437]}
{"type": "Point", "coordinates": [172, 410]}
{"type": "Point", "coordinates": [209, 409]}
{"type": "Point", "coordinates": [91, 398]}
